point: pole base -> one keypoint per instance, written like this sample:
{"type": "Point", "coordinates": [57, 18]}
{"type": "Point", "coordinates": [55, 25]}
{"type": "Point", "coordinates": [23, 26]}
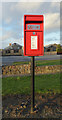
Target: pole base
{"type": "Point", "coordinates": [32, 110]}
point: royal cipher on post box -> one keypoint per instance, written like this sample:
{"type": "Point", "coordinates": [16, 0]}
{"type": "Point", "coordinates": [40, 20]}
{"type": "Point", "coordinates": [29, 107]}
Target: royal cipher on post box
{"type": "Point", "coordinates": [33, 35]}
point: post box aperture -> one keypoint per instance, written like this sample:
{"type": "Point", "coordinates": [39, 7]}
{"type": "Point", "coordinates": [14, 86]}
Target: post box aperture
{"type": "Point", "coordinates": [33, 35]}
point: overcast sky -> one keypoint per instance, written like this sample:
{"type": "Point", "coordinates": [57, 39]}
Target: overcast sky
{"type": "Point", "coordinates": [12, 21]}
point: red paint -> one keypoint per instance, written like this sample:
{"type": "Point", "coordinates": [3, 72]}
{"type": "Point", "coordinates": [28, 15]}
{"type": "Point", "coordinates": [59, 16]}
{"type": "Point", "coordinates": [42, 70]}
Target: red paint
{"type": "Point", "coordinates": [35, 23]}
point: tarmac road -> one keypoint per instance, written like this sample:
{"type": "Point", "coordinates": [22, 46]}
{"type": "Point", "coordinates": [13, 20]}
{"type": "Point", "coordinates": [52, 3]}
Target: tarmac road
{"type": "Point", "coordinates": [8, 60]}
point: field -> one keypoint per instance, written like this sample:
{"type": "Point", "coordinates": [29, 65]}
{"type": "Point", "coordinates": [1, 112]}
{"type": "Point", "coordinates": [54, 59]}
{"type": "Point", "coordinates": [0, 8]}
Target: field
{"type": "Point", "coordinates": [43, 84]}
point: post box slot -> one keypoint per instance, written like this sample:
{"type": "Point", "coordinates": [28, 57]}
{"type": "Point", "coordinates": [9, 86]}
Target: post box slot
{"type": "Point", "coordinates": [34, 26]}
{"type": "Point", "coordinates": [34, 22]}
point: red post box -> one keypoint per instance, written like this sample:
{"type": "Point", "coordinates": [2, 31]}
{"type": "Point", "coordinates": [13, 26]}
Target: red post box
{"type": "Point", "coordinates": [33, 35]}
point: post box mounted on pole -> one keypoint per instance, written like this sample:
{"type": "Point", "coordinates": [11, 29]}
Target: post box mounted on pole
{"type": "Point", "coordinates": [33, 43]}
{"type": "Point", "coordinates": [33, 35]}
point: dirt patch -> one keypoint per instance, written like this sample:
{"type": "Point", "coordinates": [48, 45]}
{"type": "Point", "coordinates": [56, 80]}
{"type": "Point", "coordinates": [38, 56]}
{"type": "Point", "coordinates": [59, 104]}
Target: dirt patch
{"type": "Point", "coordinates": [19, 106]}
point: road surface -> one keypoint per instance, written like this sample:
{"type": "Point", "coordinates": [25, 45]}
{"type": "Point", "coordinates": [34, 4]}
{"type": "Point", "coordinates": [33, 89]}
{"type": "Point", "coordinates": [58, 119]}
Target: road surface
{"type": "Point", "coordinates": [8, 60]}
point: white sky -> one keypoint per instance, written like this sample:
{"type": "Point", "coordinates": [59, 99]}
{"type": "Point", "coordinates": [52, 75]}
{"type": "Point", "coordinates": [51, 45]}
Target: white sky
{"type": "Point", "coordinates": [11, 24]}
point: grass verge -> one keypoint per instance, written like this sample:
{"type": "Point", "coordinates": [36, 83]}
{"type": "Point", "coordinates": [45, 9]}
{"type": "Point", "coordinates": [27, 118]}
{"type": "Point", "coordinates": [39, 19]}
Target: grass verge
{"type": "Point", "coordinates": [41, 62]}
{"type": "Point", "coordinates": [22, 85]}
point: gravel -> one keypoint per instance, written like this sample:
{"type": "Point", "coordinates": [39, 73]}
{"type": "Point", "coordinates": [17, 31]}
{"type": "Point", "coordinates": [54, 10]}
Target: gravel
{"type": "Point", "coordinates": [19, 106]}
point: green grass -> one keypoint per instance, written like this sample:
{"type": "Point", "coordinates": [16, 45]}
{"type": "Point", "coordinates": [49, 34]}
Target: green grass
{"type": "Point", "coordinates": [48, 62]}
{"type": "Point", "coordinates": [22, 85]}
{"type": "Point", "coordinates": [19, 63]}
{"type": "Point", "coordinates": [41, 62]}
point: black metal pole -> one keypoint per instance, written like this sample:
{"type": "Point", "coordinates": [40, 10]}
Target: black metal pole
{"type": "Point", "coordinates": [32, 84]}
